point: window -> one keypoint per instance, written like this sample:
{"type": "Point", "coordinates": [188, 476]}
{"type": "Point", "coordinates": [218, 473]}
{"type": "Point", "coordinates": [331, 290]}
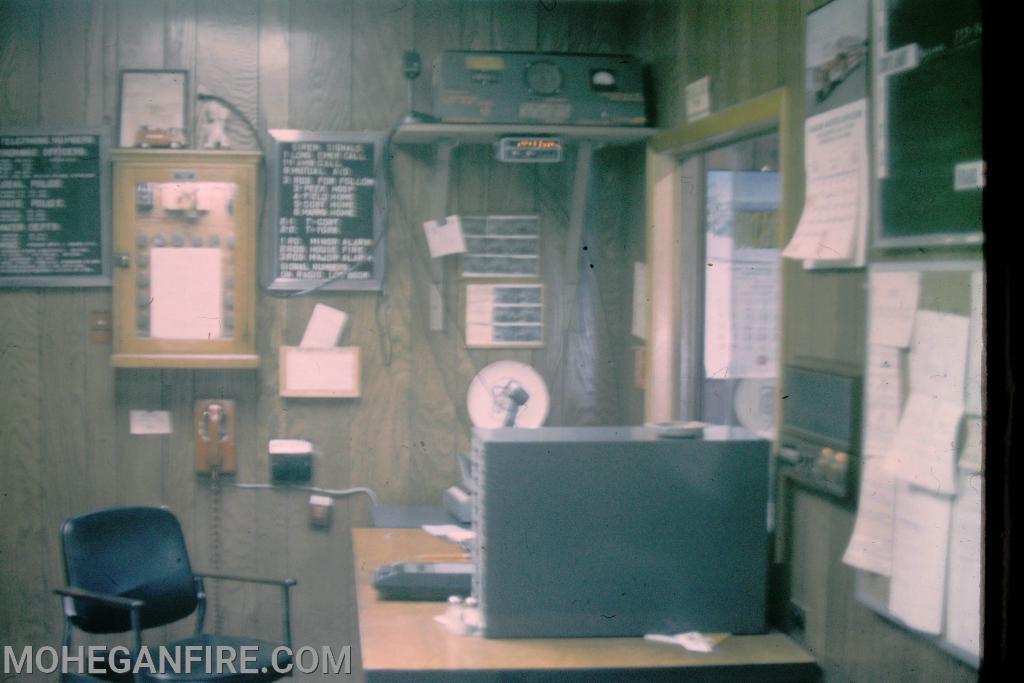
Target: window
{"type": "Point", "coordinates": [716, 191]}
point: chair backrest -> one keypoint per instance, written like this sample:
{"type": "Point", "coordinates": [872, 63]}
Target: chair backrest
{"type": "Point", "coordinates": [132, 552]}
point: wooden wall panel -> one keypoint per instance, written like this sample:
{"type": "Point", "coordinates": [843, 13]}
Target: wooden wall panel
{"type": "Point", "coordinates": [324, 65]}
{"type": "Point", "coordinates": [19, 62]}
{"type": "Point", "coordinates": [22, 556]}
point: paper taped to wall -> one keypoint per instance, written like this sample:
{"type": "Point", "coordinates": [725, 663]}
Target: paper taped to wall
{"type": "Point", "coordinates": [923, 451]}
{"type": "Point", "coordinates": [893, 305]}
{"type": "Point", "coordinates": [444, 238]}
{"type": "Point", "coordinates": [870, 546]}
{"type": "Point", "coordinates": [836, 204]}
{"type": "Point", "coordinates": [920, 543]}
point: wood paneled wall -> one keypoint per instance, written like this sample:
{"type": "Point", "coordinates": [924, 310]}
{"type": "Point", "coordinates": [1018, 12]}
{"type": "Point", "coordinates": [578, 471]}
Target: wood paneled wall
{"type": "Point", "coordinates": [749, 47]}
{"type": "Point", "coordinates": [333, 64]}
{"type": "Point", "coordinates": [65, 446]}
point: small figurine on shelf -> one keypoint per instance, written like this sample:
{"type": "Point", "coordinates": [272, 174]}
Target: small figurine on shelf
{"type": "Point", "coordinates": [213, 121]}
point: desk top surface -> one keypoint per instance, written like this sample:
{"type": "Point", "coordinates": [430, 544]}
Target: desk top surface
{"type": "Point", "coordinates": [402, 636]}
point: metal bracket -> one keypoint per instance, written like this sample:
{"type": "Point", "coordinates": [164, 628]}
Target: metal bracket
{"type": "Point", "coordinates": [438, 209]}
{"type": "Point", "coordinates": [580, 185]}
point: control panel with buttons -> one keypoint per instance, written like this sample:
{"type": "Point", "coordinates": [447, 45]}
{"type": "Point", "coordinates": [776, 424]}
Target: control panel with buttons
{"type": "Point", "coordinates": [184, 232]}
{"type": "Point", "coordinates": [820, 437]}
{"type": "Point", "coordinates": [820, 467]}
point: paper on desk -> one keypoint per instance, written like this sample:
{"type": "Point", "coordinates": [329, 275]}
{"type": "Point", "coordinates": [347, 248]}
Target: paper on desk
{"type": "Point", "coordinates": [923, 451]}
{"type": "Point", "coordinates": [870, 546]}
{"type": "Point", "coordinates": [835, 160]}
{"type": "Point", "coordinates": [450, 532]}
{"type": "Point", "coordinates": [920, 542]}
{"type": "Point", "coordinates": [693, 641]}
{"type": "Point", "coordinates": [186, 290]}
{"type": "Point", "coordinates": [893, 304]}
{"type": "Point", "coordinates": [938, 359]}
{"type": "Point", "coordinates": [963, 589]}
{"type": "Point", "coordinates": [444, 238]}
{"type": "Point", "coordinates": [884, 398]}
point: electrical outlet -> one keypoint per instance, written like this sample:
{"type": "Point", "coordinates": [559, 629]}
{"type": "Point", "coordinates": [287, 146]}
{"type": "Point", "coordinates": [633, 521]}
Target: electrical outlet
{"type": "Point", "coordinates": [100, 327]}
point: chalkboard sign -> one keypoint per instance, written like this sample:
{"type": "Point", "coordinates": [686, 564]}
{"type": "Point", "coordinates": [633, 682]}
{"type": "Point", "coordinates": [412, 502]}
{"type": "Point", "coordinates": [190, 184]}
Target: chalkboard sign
{"type": "Point", "coordinates": [931, 172]}
{"type": "Point", "coordinates": [54, 230]}
{"type": "Point", "coordinates": [326, 215]}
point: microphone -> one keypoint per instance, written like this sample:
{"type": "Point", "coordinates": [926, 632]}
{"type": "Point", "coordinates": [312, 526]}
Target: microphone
{"type": "Point", "coordinates": [517, 397]}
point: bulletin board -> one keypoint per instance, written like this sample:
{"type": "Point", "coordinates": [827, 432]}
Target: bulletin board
{"type": "Point", "coordinates": [917, 543]}
{"type": "Point", "coordinates": [928, 86]}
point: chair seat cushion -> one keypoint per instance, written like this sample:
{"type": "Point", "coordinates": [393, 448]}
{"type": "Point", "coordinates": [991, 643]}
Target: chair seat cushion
{"type": "Point", "coordinates": [206, 665]}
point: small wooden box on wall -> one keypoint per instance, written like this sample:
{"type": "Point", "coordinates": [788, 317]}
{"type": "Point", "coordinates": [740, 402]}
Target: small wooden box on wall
{"type": "Point", "coordinates": [185, 258]}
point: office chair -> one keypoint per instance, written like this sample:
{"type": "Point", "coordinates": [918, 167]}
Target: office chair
{"type": "Point", "coordinates": [127, 569]}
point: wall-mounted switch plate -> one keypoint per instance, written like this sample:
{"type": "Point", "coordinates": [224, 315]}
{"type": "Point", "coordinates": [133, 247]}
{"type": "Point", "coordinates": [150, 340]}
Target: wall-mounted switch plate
{"type": "Point", "coordinates": [321, 512]}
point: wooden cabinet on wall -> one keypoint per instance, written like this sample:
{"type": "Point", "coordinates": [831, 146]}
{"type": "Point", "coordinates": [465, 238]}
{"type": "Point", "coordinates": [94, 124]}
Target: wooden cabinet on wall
{"type": "Point", "coordinates": [185, 257]}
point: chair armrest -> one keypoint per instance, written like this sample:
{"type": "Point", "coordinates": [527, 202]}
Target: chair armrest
{"type": "Point", "coordinates": [102, 598]}
{"type": "Point", "coordinates": [131, 604]}
{"type": "Point", "coordinates": [247, 579]}
{"type": "Point", "coordinates": [284, 584]}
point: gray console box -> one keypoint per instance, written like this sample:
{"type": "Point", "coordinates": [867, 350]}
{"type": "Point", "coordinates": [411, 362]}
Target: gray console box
{"type": "Point", "coordinates": [539, 88]}
{"type": "Point", "coordinates": [613, 531]}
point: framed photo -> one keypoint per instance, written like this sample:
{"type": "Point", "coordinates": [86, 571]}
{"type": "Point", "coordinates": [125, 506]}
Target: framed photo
{"type": "Point", "coordinates": [153, 109]}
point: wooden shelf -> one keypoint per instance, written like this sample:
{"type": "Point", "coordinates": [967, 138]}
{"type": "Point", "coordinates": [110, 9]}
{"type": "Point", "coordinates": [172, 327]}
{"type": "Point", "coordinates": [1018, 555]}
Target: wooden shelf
{"type": "Point", "coordinates": [486, 133]}
{"type": "Point", "coordinates": [243, 361]}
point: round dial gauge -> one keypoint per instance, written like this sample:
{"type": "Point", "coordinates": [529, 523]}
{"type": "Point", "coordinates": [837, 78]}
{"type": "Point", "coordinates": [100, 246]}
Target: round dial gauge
{"type": "Point", "coordinates": [543, 78]}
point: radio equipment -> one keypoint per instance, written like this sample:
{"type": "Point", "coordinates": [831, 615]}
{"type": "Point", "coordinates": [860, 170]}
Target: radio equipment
{"type": "Point", "coordinates": [539, 88]}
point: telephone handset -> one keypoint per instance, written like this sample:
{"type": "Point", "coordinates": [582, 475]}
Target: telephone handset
{"type": "Point", "coordinates": [215, 436]}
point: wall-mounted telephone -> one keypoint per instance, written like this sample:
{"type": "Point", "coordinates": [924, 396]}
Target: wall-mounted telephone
{"type": "Point", "coordinates": [215, 436]}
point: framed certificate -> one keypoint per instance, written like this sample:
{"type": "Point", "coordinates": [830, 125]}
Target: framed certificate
{"type": "Point", "coordinates": [153, 109]}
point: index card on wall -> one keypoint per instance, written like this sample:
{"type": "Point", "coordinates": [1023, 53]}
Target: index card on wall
{"type": "Point", "coordinates": [319, 373]}
{"type": "Point", "coordinates": [325, 327]}
{"type": "Point", "coordinates": [444, 237]}
{"type": "Point", "coordinates": [149, 422]}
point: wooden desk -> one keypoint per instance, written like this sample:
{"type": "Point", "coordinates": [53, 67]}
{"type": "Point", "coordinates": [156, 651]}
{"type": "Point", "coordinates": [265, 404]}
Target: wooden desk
{"type": "Point", "coordinates": [401, 641]}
